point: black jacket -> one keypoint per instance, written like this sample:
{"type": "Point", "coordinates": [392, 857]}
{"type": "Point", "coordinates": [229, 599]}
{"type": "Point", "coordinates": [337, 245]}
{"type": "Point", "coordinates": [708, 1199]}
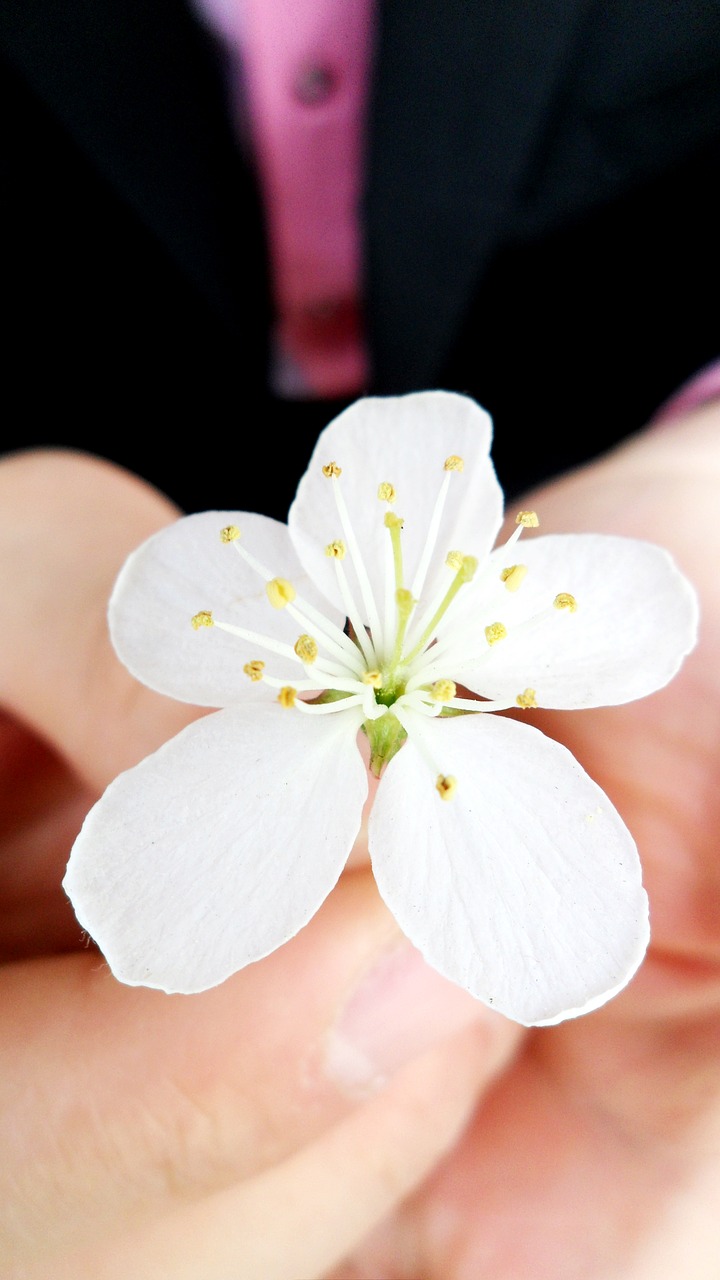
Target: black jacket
{"type": "Point", "coordinates": [541, 222]}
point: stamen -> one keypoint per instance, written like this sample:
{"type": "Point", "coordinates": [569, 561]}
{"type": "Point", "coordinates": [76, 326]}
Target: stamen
{"type": "Point", "coordinates": [287, 696]}
{"type": "Point", "coordinates": [495, 632]}
{"type": "Point", "coordinates": [331, 708]}
{"type": "Point", "coordinates": [336, 550]}
{"type": "Point", "coordinates": [356, 556]}
{"type": "Point", "coordinates": [527, 699]}
{"type": "Point", "coordinates": [454, 463]}
{"type": "Point", "coordinates": [306, 649]}
{"type": "Point", "coordinates": [454, 560]}
{"type": "Point", "coordinates": [331, 471]}
{"type": "Point", "coordinates": [254, 670]}
{"type": "Point", "coordinates": [443, 690]}
{"type": "Point", "coordinates": [446, 786]}
{"type": "Point", "coordinates": [202, 619]}
{"type": "Point", "coordinates": [565, 601]}
{"type": "Point", "coordinates": [230, 533]}
{"type": "Point", "coordinates": [362, 639]}
{"type": "Point", "coordinates": [405, 605]}
{"type": "Point", "coordinates": [514, 576]}
{"type": "Point", "coordinates": [373, 678]}
{"type": "Point", "coordinates": [465, 573]}
{"type": "Point", "coordinates": [280, 592]}
{"type": "Point", "coordinates": [432, 533]}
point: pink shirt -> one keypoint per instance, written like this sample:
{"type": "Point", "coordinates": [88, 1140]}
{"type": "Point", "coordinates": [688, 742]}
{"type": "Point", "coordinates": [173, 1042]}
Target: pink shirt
{"type": "Point", "coordinates": [299, 76]}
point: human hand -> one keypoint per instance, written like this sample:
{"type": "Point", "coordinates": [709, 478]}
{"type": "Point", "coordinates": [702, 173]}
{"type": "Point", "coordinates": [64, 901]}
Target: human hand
{"type": "Point", "coordinates": [256, 1131]}
{"type": "Point", "coordinates": [596, 1156]}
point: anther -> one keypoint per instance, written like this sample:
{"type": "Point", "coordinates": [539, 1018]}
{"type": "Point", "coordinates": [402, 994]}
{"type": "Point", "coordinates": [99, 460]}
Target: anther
{"type": "Point", "coordinates": [526, 699]}
{"type": "Point", "coordinates": [468, 568]}
{"type": "Point", "coordinates": [306, 648]}
{"type": "Point", "coordinates": [528, 519]}
{"type": "Point", "coordinates": [230, 533]}
{"type": "Point", "coordinates": [565, 601]}
{"type": "Point", "coordinates": [496, 631]}
{"type": "Point", "coordinates": [331, 471]}
{"type": "Point", "coordinates": [202, 619]}
{"type": "Point", "coordinates": [513, 576]}
{"type": "Point", "coordinates": [446, 786]}
{"type": "Point", "coordinates": [386, 492]}
{"type": "Point", "coordinates": [454, 463]}
{"type": "Point", "coordinates": [336, 550]}
{"type": "Point", "coordinates": [373, 678]}
{"type": "Point", "coordinates": [287, 696]}
{"type": "Point", "coordinates": [254, 670]}
{"type": "Point", "coordinates": [443, 690]}
{"type": "Point", "coordinates": [454, 560]}
{"type": "Point", "coordinates": [280, 592]}
{"type": "Point", "coordinates": [404, 599]}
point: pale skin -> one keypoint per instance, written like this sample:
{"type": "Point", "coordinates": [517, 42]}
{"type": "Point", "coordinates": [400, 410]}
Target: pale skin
{"type": "Point", "coordinates": [222, 1136]}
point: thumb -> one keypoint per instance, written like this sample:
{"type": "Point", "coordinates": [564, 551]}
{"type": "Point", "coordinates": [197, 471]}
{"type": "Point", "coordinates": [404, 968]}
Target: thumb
{"type": "Point", "coordinates": [67, 523]}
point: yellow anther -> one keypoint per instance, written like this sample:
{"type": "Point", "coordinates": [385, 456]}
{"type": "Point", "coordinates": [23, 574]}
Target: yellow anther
{"type": "Point", "coordinates": [513, 576]}
{"type": "Point", "coordinates": [496, 631]}
{"type": "Point", "coordinates": [306, 648]}
{"type": "Point", "coordinates": [454, 560]}
{"type": "Point", "coordinates": [331, 471]}
{"type": "Point", "coordinates": [387, 491]}
{"type": "Point", "coordinates": [373, 678]}
{"type": "Point", "coordinates": [468, 568]}
{"type": "Point", "coordinates": [230, 533]}
{"type": "Point", "coordinates": [202, 619]}
{"type": "Point", "coordinates": [454, 463]}
{"type": "Point", "coordinates": [392, 521]}
{"type": "Point", "coordinates": [446, 786]}
{"type": "Point", "coordinates": [336, 550]}
{"type": "Point", "coordinates": [565, 601]}
{"type": "Point", "coordinates": [443, 690]}
{"type": "Point", "coordinates": [527, 518]}
{"type": "Point", "coordinates": [254, 670]}
{"type": "Point", "coordinates": [287, 696]}
{"type": "Point", "coordinates": [526, 699]}
{"type": "Point", "coordinates": [404, 599]}
{"type": "Point", "coordinates": [280, 592]}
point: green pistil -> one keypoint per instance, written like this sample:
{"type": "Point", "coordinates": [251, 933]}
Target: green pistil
{"type": "Point", "coordinates": [386, 736]}
{"type": "Point", "coordinates": [465, 573]}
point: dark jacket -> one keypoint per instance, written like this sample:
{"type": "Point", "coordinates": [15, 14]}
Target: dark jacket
{"type": "Point", "coordinates": [541, 223]}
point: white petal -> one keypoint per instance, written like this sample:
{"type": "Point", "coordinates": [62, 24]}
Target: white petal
{"type": "Point", "coordinates": [404, 440]}
{"type": "Point", "coordinates": [220, 846]}
{"type": "Point", "coordinates": [636, 619]}
{"type": "Point", "coordinates": [525, 887]}
{"type": "Point", "coordinates": [184, 569]}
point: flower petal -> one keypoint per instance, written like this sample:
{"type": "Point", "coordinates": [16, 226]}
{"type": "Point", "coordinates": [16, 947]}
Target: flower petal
{"type": "Point", "coordinates": [635, 621]}
{"type": "Point", "coordinates": [220, 846]}
{"type": "Point", "coordinates": [524, 887]}
{"type": "Point", "coordinates": [185, 568]}
{"type": "Point", "coordinates": [405, 441]}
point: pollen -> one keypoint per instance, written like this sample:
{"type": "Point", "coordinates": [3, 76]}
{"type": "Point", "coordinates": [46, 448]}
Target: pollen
{"type": "Point", "coordinates": [529, 519]}
{"type": "Point", "coordinates": [287, 696]}
{"type": "Point", "coordinates": [254, 670]}
{"type": "Point", "coordinates": [202, 619]}
{"type": "Point", "coordinates": [336, 550]}
{"type": "Point", "coordinates": [230, 533]}
{"type": "Point", "coordinates": [373, 678]}
{"type": "Point", "coordinates": [496, 631]}
{"type": "Point", "coordinates": [386, 492]}
{"type": "Point", "coordinates": [514, 576]}
{"type": "Point", "coordinates": [454, 560]}
{"type": "Point", "coordinates": [446, 786]}
{"type": "Point", "coordinates": [404, 599]}
{"type": "Point", "coordinates": [526, 699]}
{"type": "Point", "coordinates": [392, 521]}
{"type": "Point", "coordinates": [443, 690]}
{"type": "Point", "coordinates": [565, 601]}
{"type": "Point", "coordinates": [306, 648]}
{"type": "Point", "coordinates": [280, 592]}
{"type": "Point", "coordinates": [331, 471]}
{"type": "Point", "coordinates": [454, 463]}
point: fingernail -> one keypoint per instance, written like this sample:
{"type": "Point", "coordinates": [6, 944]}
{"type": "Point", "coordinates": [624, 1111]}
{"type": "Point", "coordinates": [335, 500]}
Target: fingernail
{"type": "Point", "coordinates": [400, 1009]}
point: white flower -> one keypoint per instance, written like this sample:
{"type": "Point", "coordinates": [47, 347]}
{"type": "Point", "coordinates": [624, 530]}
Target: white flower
{"type": "Point", "coordinates": [502, 861]}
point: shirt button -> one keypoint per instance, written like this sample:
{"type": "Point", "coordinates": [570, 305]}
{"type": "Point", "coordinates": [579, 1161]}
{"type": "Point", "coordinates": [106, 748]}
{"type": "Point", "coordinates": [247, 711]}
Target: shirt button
{"type": "Point", "coordinates": [314, 83]}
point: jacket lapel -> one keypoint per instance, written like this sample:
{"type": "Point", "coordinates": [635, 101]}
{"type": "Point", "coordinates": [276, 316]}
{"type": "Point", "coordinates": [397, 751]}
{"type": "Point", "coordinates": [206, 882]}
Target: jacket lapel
{"type": "Point", "coordinates": [463, 92]}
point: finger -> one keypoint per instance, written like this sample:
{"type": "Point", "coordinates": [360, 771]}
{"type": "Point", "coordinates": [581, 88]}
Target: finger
{"type": "Point", "coordinates": [67, 523]}
{"type": "Point", "coordinates": [140, 1102]}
